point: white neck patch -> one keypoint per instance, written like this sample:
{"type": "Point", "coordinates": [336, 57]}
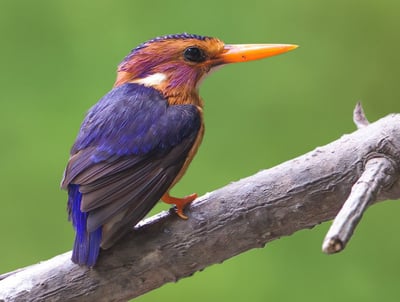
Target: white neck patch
{"type": "Point", "coordinates": [152, 80]}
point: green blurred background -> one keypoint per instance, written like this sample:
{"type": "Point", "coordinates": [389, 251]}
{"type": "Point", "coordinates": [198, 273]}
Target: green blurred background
{"type": "Point", "coordinates": [58, 58]}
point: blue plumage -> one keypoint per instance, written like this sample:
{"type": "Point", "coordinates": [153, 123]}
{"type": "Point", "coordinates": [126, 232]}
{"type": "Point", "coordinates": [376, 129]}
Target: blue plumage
{"type": "Point", "coordinates": [131, 146]}
{"type": "Point", "coordinates": [86, 245]}
{"type": "Point", "coordinates": [134, 119]}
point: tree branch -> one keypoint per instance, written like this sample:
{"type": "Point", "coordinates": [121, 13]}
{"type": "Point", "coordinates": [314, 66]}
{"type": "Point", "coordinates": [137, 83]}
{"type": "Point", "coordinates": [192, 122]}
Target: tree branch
{"type": "Point", "coordinates": [359, 117]}
{"type": "Point", "coordinates": [379, 172]}
{"type": "Point", "coordinates": [246, 214]}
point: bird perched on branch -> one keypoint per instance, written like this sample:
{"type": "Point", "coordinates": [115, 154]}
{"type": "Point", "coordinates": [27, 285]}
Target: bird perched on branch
{"type": "Point", "coordinates": [136, 143]}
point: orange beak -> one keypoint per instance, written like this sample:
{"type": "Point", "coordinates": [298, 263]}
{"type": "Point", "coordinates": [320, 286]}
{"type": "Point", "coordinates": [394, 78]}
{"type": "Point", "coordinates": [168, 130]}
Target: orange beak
{"type": "Point", "coordinates": [248, 52]}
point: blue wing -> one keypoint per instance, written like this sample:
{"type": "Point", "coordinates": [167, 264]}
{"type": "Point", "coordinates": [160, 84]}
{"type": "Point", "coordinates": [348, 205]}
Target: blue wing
{"type": "Point", "coordinates": [129, 150]}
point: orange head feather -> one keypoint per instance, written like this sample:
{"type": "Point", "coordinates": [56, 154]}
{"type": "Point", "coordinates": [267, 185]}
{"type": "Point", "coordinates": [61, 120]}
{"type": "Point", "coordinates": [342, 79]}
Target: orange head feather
{"type": "Point", "coordinates": [176, 64]}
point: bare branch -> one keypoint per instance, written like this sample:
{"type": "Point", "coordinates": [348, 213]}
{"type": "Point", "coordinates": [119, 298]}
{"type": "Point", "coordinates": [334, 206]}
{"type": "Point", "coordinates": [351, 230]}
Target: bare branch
{"type": "Point", "coordinates": [246, 214]}
{"type": "Point", "coordinates": [379, 173]}
{"type": "Point", "coordinates": [359, 117]}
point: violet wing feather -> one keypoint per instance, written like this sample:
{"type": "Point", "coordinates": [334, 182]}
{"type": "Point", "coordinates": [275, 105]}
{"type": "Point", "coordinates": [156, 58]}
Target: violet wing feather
{"type": "Point", "coordinates": [129, 150]}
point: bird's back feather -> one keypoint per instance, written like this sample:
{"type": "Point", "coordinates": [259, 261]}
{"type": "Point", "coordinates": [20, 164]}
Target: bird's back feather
{"type": "Point", "coordinates": [131, 146]}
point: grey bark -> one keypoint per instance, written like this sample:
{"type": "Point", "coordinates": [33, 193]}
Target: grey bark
{"type": "Point", "coordinates": [246, 214]}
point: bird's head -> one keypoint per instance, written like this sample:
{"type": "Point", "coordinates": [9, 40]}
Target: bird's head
{"type": "Point", "coordinates": [176, 64]}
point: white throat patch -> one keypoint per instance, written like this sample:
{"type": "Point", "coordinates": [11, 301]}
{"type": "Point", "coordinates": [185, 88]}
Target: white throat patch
{"type": "Point", "coordinates": [151, 80]}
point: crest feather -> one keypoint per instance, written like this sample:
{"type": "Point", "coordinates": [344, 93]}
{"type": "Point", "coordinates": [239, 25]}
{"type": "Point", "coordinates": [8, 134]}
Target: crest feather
{"type": "Point", "coordinates": [163, 38]}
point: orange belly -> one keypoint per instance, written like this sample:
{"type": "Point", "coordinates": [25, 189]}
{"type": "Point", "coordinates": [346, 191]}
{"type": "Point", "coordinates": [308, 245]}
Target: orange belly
{"type": "Point", "coordinates": [192, 151]}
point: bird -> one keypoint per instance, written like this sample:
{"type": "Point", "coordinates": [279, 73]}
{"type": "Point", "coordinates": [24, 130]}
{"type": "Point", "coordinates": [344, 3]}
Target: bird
{"type": "Point", "coordinates": [138, 140]}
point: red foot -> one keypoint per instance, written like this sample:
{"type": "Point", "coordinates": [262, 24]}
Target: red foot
{"type": "Point", "coordinates": [180, 203]}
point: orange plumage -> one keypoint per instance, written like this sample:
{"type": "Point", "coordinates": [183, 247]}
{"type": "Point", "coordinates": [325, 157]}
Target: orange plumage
{"type": "Point", "coordinates": [136, 143]}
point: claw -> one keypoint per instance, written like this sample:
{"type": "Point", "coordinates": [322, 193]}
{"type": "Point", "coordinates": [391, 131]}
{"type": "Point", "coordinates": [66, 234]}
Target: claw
{"type": "Point", "coordinates": [180, 203]}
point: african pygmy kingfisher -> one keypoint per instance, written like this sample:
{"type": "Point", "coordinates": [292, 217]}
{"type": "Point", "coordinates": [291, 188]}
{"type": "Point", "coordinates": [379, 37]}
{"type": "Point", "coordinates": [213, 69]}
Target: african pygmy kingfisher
{"type": "Point", "coordinates": [136, 143]}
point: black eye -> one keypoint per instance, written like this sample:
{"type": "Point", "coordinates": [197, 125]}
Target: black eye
{"type": "Point", "coordinates": [194, 54]}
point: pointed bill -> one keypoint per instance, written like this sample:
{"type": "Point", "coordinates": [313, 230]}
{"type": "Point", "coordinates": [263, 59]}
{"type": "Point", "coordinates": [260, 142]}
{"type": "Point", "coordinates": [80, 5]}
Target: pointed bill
{"type": "Point", "coordinates": [236, 53]}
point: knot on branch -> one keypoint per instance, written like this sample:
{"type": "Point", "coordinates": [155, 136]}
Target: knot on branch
{"type": "Point", "coordinates": [359, 117]}
{"type": "Point", "coordinates": [380, 172]}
